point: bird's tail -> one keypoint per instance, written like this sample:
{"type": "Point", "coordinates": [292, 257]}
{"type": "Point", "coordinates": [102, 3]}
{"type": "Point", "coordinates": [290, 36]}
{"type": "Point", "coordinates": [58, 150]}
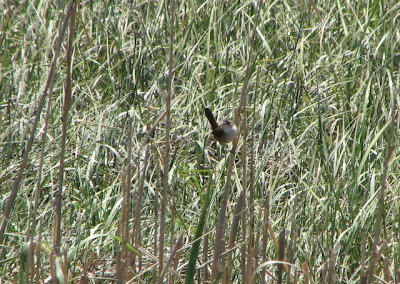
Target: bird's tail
{"type": "Point", "coordinates": [211, 118]}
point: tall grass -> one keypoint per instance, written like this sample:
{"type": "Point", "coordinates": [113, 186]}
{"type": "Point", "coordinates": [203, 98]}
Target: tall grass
{"type": "Point", "coordinates": [308, 194]}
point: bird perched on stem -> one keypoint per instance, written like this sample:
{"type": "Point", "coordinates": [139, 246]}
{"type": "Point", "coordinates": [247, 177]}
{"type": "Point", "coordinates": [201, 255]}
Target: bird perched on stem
{"type": "Point", "coordinates": [225, 132]}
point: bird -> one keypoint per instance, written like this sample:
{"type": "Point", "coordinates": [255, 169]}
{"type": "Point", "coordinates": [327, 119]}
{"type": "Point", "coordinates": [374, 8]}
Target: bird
{"type": "Point", "coordinates": [225, 132]}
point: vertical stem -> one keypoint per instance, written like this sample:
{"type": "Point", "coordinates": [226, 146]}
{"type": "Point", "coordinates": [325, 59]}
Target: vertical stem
{"type": "Point", "coordinates": [168, 96]}
{"type": "Point", "coordinates": [219, 246]}
{"type": "Point", "coordinates": [18, 179]}
{"type": "Point", "coordinates": [381, 201]}
{"type": "Point", "coordinates": [66, 107]}
{"type": "Point", "coordinates": [250, 248]}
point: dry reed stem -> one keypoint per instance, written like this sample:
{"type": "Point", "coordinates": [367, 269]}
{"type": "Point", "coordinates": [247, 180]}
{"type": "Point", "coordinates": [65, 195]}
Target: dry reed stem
{"type": "Point", "coordinates": [381, 201]}
{"type": "Point", "coordinates": [38, 188]}
{"type": "Point", "coordinates": [18, 179]}
{"type": "Point", "coordinates": [174, 252]}
{"type": "Point", "coordinates": [219, 244]}
{"type": "Point", "coordinates": [66, 107]}
{"type": "Point", "coordinates": [251, 261]}
{"type": "Point", "coordinates": [167, 97]}
{"type": "Point", "coordinates": [281, 255]}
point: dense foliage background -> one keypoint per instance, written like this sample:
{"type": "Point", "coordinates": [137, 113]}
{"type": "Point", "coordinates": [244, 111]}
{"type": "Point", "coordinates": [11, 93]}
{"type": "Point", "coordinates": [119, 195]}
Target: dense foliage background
{"type": "Point", "coordinates": [141, 179]}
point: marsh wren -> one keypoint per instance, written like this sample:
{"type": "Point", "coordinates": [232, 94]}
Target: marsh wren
{"type": "Point", "coordinates": [225, 132]}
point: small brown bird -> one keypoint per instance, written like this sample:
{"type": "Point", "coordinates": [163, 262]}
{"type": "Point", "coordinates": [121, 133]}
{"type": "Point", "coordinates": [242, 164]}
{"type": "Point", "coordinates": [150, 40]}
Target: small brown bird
{"type": "Point", "coordinates": [225, 132]}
